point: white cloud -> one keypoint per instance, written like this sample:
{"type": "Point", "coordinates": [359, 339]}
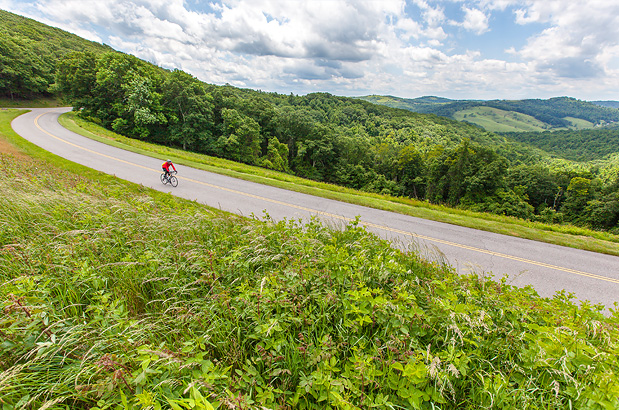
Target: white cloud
{"type": "Point", "coordinates": [475, 20]}
{"type": "Point", "coordinates": [406, 48]}
{"type": "Point", "coordinates": [410, 28]}
{"type": "Point", "coordinates": [580, 42]}
{"type": "Point", "coordinates": [433, 16]}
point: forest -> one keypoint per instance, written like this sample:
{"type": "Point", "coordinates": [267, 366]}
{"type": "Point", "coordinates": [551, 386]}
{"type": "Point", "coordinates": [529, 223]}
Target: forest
{"type": "Point", "coordinates": [339, 140]}
{"type": "Point", "coordinates": [29, 52]}
{"type": "Point", "coordinates": [580, 145]}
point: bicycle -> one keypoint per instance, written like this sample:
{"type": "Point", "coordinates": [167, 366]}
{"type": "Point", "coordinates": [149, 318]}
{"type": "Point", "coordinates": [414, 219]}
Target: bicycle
{"type": "Point", "coordinates": [169, 179]}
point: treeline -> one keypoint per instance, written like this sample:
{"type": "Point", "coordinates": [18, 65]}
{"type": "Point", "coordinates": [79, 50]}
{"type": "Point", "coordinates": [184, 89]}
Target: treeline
{"type": "Point", "coordinates": [319, 136]}
{"type": "Point", "coordinates": [339, 140]}
{"type": "Point", "coordinates": [582, 145]}
{"type": "Point", "coordinates": [29, 51]}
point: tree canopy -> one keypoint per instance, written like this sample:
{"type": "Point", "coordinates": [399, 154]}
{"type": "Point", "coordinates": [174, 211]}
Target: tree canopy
{"type": "Point", "coordinates": [29, 52]}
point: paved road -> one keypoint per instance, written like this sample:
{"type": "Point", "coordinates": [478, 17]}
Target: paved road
{"type": "Point", "coordinates": [548, 268]}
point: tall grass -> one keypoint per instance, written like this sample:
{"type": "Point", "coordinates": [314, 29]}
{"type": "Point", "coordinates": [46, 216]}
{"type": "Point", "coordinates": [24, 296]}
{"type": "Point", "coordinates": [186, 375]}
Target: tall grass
{"type": "Point", "coordinates": [114, 297]}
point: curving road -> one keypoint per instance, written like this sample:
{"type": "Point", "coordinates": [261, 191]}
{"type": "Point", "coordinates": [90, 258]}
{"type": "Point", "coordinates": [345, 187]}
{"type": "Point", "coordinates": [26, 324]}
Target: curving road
{"type": "Point", "coordinates": [548, 268]}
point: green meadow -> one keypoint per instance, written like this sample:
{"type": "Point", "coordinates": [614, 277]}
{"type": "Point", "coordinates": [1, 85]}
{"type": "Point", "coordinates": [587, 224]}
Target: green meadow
{"type": "Point", "coordinates": [496, 120]}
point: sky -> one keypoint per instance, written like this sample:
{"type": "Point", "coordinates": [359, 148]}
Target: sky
{"type": "Point", "coordinates": [460, 49]}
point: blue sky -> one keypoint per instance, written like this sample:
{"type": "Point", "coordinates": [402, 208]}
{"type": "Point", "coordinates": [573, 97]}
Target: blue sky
{"type": "Point", "coordinates": [461, 49]}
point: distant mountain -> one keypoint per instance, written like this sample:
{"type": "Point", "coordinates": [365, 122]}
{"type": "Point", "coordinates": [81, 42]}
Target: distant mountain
{"type": "Point", "coordinates": [609, 104]}
{"type": "Point", "coordinates": [421, 105]}
{"type": "Point", "coordinates": [561, 113]}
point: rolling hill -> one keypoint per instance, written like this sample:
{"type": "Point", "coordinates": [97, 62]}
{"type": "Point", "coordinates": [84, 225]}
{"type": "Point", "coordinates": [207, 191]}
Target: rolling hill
{"type": "Point", "coordinates": [609, 104]}
{"type": "Point", "coordinates": [29, 51]}
{"type": "Point", "coordinates": [561, 113]}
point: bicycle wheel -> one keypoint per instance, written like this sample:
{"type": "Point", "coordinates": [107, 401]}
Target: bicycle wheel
{"type": "Point", "coordinates": [163, 179]}
{"type": "Point", "coordinates": [173, 180]}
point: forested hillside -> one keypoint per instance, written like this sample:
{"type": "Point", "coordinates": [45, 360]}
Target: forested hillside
{"type": "Point", "coordinates": [582, 145]}
{"type": "Point", "coordinates": [344, 141]}
{"type": "Point", "coordinates": [29, 51]}
{"type": "Point", "coordinates": [553, 111]}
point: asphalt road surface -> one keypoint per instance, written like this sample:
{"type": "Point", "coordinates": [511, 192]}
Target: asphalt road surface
{"type": "Point", "coordinates": [548, 268]}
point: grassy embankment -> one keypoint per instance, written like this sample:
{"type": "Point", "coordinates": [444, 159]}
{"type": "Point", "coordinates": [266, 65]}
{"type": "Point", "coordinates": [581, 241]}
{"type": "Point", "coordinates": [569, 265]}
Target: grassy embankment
{"type": "Point", "coordinates": [43, 102]}
{"type": "Point", "coordinates": [116, 296]}
{"type": "Point", "coordinates": [565, 235]}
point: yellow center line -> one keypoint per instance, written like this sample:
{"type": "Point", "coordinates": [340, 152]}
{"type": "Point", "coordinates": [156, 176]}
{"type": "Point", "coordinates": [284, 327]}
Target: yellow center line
{"type": "Point", "coordinates": [340, 217]}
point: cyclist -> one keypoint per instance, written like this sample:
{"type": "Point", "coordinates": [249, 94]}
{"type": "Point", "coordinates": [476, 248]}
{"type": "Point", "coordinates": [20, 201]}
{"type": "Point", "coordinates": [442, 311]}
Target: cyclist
{"type": "Point", "coordinates": [166, 168]}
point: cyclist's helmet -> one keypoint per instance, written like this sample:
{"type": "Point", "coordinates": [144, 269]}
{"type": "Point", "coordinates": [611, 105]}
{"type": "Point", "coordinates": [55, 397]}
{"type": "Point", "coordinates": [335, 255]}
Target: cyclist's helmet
{"type": "Point", "coordinates": [168, 161]}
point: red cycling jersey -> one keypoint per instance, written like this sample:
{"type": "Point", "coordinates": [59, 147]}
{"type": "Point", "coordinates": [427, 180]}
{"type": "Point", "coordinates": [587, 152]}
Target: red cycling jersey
{"type": "Point", "coordinates": [167, 166]}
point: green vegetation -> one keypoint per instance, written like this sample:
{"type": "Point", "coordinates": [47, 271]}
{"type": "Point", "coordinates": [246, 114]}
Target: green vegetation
{"type": "Point", "coordinates": [511, 116]}
{"type": "Point", "coordinates": [29, 51]}
{"type": "Point", "coordinates": [338, 140]}
{"type": "Point", "coordinates": [555, 110]}
{"type": "Point", "coordinates": [423, 105]}
{"type": "Point", "coordinates": [579, 124]}
{"type": "Point", "coordinates": [118, 296]}
{"type": "Point", "coordinates": [582, 145]}
{"type": "Point", "coordinates": [501, 121]}
{"type": "Point", "coordinates": [43, 102]}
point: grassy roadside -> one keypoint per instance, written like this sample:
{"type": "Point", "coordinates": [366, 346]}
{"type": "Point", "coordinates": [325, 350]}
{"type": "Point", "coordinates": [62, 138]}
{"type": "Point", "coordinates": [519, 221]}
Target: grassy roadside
{"type": "Point", "coordinates": [13, 144]}
{"type": "Point", "coordinates": [38, 103]}
{"type": "Point", "coordinates": [565, 235]}
{"type": "Point", "coordinates": [119, 297]}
